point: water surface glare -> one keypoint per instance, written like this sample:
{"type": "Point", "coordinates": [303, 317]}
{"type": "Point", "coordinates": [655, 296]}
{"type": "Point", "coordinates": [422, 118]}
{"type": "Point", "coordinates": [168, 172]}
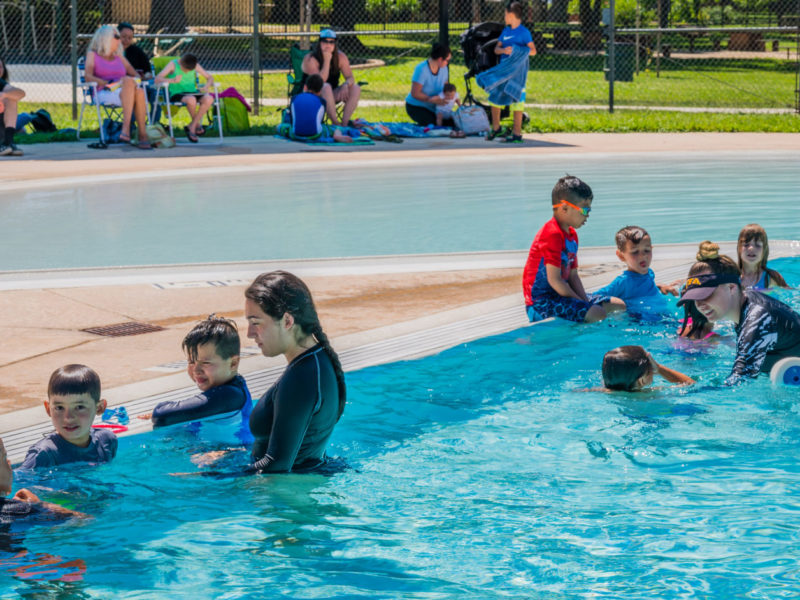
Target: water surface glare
{"type": "Point", "coordinates": [444, 205]}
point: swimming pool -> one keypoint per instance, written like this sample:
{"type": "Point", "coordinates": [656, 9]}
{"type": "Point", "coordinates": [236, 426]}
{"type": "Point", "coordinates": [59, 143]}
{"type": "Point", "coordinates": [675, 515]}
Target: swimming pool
{"type": "Point", "coordinates": [478, 473]}
{"type": "Point", "coordinates": [400, 206]}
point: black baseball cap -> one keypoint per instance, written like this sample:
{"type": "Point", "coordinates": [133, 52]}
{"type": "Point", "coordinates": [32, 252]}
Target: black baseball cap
{"type": "Point", "coordinates": [701, 287]}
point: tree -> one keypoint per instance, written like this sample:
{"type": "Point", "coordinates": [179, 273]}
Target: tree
{"type": "Point", "coordinates": [168, 16]}
{"type": "Point", "coordinates": [344, 16]}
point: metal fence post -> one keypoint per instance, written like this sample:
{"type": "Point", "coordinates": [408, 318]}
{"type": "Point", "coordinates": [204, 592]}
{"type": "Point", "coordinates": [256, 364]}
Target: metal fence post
{"type": "Point", "coordinates": [444, 22]}
{"type": "Point", "coordinates": [73, 53]}
{"type": "Point", "coordinates": [612, 75]}
{"type": "Point", "coordinates": [256, 57]}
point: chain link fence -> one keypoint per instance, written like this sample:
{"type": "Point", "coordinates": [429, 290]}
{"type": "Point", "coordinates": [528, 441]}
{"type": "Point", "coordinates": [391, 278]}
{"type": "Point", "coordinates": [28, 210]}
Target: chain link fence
{"type": "Point", "coordinates": [677, 54]}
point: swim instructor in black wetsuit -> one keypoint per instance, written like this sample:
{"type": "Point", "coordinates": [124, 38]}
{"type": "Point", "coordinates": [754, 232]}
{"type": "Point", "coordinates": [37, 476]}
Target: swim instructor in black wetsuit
{"type": "Point", "coordinates": [294, 419]}
{"type": "Point", "coordinates": [767, 330]}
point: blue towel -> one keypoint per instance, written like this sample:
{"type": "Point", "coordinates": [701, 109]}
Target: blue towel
{"type": "Point", "coordinates": [506, 81]}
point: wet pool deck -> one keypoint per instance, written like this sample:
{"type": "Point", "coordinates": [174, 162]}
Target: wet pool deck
{"type": "Point", "coordinates": [361, 301]}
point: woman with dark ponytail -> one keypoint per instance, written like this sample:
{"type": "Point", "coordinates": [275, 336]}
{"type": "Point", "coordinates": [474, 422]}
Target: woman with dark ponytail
{"type": "Point", "coordinates": [294, 419]}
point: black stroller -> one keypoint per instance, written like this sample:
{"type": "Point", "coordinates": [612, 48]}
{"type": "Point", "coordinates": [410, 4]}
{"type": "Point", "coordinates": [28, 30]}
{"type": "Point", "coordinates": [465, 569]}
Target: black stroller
{"type": "Point", "coordinates": [478, 44]}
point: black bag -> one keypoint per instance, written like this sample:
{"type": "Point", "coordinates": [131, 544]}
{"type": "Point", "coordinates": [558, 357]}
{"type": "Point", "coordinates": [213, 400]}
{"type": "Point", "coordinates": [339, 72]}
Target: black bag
{"type": "Point", "coordinates": [111, 131]}
{"type": "Point", "coordinates": [42, 122]}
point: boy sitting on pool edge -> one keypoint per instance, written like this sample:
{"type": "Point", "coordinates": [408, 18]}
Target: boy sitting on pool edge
{"type": "Point", "coordinates": [637, 286]}
{"type": "Point", "coordinates": [550, 282]}
{"type": "Point", "coordinates": [73, 400]}
{"type": "Point", "coordinates": [212, 349]}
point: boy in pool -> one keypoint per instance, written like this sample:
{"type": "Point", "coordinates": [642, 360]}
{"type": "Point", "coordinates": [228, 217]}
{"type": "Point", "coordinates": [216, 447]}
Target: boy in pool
{"type": "Point", "coordinates": [632, 368]}
{"type": "Point", "coordinates": [637, 286]}
{"type": "Point", "coordinates": [212, 348]}
{"type": "Point", "coordinates": [550, 282]}
{"type": "Point", "coordinates": [73, 400]}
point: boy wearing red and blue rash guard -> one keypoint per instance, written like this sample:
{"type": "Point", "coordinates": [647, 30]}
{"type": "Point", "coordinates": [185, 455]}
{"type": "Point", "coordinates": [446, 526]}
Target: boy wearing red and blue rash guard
{"type": "Point", "coordinates": [550, 282]}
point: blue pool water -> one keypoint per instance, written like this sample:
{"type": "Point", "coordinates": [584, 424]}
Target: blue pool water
{"type": "Point", "coordinates": [481, 473]}
{"type": "Point", "coordinates": [443, 205]}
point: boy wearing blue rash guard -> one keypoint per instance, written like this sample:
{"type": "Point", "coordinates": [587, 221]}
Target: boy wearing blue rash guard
{"type": "Point", "coordinates": [212, 349]}
{"type": "Point", "coordinates": [637, 285]}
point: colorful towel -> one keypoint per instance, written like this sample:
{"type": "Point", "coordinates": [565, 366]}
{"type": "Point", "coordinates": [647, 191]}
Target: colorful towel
{"type": "Point", "coordinates": [326, 137]}
{"type": "Point", "coordinates": [505, 82]}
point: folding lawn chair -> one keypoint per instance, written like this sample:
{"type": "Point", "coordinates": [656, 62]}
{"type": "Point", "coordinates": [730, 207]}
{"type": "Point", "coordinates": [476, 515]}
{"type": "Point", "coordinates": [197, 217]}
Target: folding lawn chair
{"type": "Point", "coordinates": [111, 111]}
{"type": "Point", "coordinates": [162, 97]}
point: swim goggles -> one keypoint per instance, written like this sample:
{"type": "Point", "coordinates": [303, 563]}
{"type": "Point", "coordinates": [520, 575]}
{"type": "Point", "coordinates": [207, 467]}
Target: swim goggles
{"type": "Point", "coordinates": [583, 210]}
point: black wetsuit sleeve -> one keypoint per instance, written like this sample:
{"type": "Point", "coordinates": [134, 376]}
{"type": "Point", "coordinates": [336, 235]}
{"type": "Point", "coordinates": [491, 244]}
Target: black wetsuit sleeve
{"type": "Point", "coordinates": [295, 400]}
{"type": "Point", "coordinates": [216, 401]}
{"type": "Point", "coordinates": [757, 336]}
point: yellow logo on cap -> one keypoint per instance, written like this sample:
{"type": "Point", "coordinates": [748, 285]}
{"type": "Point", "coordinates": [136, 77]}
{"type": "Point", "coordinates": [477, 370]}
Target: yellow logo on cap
{"type": "Point", "coordinates": [693, 281]}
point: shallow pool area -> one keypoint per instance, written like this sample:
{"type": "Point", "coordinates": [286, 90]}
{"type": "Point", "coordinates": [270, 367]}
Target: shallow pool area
{"type": "Point", "coordinates": [402, 206]}
{"type": "Point", "coordinates": [485, 471]}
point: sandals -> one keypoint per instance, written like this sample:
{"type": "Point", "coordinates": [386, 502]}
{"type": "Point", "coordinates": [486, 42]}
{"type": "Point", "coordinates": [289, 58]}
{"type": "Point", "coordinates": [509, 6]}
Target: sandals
{"type": "Point", "coordinates": [98, 146]}
{"type": "Point", "coordinates": [124, 139]}
{"type": "Point", "coordinates": [457, 134]}
{"type": "Point", "coordinates": [144, 145]}
{"type": "Point", "coordinates": [192, 137]}
{"type": "Point", "coordinates": [201, 130]}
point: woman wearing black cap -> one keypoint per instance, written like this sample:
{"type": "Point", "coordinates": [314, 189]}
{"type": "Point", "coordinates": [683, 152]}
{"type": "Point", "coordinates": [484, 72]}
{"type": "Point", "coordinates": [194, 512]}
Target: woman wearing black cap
{"type": "Point", "coordinates": [767, 330]}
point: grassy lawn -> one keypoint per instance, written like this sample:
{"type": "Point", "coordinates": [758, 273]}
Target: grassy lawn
{"type": "Point", "coordinates": [541, 121]}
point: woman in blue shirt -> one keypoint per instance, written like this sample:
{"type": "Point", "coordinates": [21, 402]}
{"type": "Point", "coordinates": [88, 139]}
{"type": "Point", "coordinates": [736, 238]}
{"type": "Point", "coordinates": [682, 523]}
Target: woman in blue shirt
{"type": "Point", "coordinates": [427, 83]}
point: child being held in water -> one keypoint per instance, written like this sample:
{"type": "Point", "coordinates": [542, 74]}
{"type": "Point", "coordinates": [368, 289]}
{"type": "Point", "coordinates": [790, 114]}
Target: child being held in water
{"type": "Point", "coordinates": [752, 250]}
{"type": "Point", "coordinates": [632, 368]}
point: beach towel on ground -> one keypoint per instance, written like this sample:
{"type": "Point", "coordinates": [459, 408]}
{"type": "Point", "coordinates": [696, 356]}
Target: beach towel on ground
{"type": "Point", "coordinates": [325, 138]}
{"type": "Point", "coordinates": [506, 81]}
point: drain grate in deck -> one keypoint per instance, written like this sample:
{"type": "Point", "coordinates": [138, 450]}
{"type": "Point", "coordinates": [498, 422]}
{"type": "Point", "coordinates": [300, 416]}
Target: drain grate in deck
{"type": "Point", "coordinates": [123, 329]}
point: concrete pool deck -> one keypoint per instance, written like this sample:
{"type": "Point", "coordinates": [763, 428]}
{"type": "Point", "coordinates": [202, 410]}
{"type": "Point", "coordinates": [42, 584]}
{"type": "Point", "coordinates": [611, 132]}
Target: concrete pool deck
{"type": "Point", "coordinates": [380, 299]}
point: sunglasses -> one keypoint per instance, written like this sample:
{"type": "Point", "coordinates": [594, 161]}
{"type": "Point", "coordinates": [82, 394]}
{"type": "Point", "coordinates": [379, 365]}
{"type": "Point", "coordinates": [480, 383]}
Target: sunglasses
{"type": "Point", "coordinates": [116, 36]}
{"type": "Point", "coordinates": [327, 41]}
{"type": "Point", "coordinates": [583, 210]}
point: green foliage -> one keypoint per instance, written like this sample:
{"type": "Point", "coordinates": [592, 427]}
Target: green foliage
{"type": "Point", "coordinates": [626, 14]}
{"type": "Point", "coordinates": [392, 8]}
{"type": "Point", "coordinates": [325, 7]}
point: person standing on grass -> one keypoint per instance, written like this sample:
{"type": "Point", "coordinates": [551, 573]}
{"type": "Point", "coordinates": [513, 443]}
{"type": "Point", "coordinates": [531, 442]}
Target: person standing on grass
{"type": "Point", "coordinates": [506, 82]}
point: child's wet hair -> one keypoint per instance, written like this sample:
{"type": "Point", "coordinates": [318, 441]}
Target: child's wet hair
{"type": "Point", "coordinates": [755, 232]}
{"type": "Point", "coordinates": [188, 61]}
{"type": "Point", "coordinates": [314, 83]}
{"type": "Point", "coordinates": [219, 331]}
{"type": "Point", "coordinates": [571, 188]}
{"type": "Point", "coordinates": [629, 233]}
{"type": "Point", "coordinates": [449, 87]}
{"type": "Point", "coordinates": [73, 380]}
{"type": "Point", "coordinates": [624, 366]}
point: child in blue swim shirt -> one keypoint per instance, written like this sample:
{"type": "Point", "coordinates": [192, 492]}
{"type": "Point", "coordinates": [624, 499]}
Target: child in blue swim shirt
{"type": "Point", "coordinates": [212, 348]}
{"type": "Point", "coordinates": [637, 285]}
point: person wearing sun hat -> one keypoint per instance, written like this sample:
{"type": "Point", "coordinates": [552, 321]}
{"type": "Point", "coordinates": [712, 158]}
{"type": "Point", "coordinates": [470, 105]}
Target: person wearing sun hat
{"type": "Point", "coordinates": [330, 63]}
{"type": "Point", "coordinates": [767, 330]}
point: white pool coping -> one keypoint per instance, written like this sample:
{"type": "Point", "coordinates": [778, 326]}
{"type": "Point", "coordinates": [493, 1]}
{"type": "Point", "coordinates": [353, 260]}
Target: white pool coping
{"type": "Point", "coordinates": [404, 341]}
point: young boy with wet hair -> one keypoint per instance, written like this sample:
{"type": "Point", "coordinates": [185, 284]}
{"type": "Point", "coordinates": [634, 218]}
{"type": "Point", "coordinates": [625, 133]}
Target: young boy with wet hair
{"type": "Point", "coordinates": [550, 282]}
{"type": "Point", "coordinates": [632, 368]}
{"type": "Point", "coordinates": [212, 349]}
{"type": "Point", "coordinates": [73, 400]}
{"type": "Point", "coordinates": [637, 286]}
